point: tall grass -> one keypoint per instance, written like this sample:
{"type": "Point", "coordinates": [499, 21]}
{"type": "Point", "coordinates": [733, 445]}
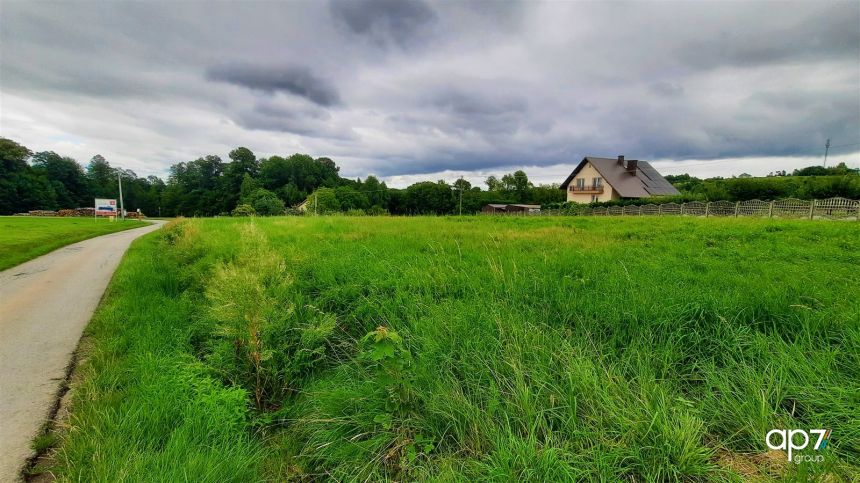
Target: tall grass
{"type": "Point", "coordinates": [472, 349]}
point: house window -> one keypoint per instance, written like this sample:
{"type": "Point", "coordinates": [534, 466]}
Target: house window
{"type": "Point", "coordinates": [580, 182]}
{"type": "Point", "coordinates": [593, 198]}
{"type": "Point", "coordinates": [595, 182]}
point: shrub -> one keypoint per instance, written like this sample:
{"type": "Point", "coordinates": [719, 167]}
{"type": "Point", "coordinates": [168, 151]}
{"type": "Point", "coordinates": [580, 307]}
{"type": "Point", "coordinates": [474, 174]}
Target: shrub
{"type": "Point", "coordinates": [265, 202]}
{"type": "Point", "coordinates": [244, 210]}
{"type": "Point", "coordinates": [260, 340]}
{"type": "Point", "coordinates": [377, 210]}
{"type": "Point", "coordinates": [243, 300]}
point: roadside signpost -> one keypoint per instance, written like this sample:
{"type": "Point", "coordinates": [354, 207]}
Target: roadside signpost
{"type": "Point", "coordinates": [105, 207]}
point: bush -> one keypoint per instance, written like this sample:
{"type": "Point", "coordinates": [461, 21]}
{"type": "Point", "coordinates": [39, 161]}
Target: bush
{"type": "Point", "coordinates": [244, 210]}
{"type": "Point", "coordinates": [260, 341]}
{"type": "Point", "coordinates": [265, 202]}
{"type": "Point", "coordinates": [377, 210]}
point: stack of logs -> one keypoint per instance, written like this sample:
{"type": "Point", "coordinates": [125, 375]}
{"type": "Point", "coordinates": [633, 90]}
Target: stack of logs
{"type": "Point", "coordinates": [78, 212]}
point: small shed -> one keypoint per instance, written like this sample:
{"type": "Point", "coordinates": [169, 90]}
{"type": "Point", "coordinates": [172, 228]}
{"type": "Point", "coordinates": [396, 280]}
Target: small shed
{"type": "Point", "coordinates": [515, 209]}
{"type": "Point", "coordinates": [493, 208]}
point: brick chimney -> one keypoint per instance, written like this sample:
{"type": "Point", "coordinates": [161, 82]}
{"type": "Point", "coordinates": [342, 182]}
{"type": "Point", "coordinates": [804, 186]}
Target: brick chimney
{"type": "Point", "coordinates": [629, 165]}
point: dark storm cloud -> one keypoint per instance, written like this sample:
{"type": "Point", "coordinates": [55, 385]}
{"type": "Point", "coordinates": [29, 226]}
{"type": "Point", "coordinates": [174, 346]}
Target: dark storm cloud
{"type": "Point", "coordinates": [400, 22]}
{"type": "Point", "coordinates": [295, 80]}
{"type": "Point", "coordinates": [831, 33]}
{"type": "Point", "coordinates": [406, 87]}
{"type": "Point", "coordinates": [313, 122]}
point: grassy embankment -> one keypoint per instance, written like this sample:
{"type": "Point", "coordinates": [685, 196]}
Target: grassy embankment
{"type": "Point", "coordinates": [24, 238]}
{"type": "Point", "coordinates": [510, 349]}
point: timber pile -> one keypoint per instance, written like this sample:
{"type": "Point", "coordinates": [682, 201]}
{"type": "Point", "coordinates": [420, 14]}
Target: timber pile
{"type": "Point", "coordinates": [77, 212]}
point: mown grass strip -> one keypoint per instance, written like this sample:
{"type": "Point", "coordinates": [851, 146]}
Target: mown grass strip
{"type": "Point", "coordinates": [24, 238]}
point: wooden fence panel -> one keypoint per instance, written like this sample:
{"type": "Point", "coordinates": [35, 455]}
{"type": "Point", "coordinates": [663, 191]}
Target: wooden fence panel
{"type": "Point", "coordinates": [614, 210]}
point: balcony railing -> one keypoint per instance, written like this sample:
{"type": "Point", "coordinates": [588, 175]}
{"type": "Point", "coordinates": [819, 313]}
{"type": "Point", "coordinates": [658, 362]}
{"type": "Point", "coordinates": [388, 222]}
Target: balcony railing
{"type": "Point", "coordinates": [586, 189]}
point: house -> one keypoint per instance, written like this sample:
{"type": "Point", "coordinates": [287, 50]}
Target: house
{"type": "Point", "coordinates": [605, 179]}
{"type": "Point", "coordinates": [510, 209]}
{"type": "Point", "coordinates": [303, 206]}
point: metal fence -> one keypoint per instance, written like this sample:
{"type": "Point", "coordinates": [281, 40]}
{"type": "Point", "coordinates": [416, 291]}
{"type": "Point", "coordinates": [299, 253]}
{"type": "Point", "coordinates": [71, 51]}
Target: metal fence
{"type": "Point", "coordinates": [831, 208]}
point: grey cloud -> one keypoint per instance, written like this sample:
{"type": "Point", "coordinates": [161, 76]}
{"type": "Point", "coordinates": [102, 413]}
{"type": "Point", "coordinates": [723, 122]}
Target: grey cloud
{"type": "Point", "coordinates": [667, 89]}
{"type": "Point", "coordinates": [313, 122]}
{"type": "Point", "coordinates": [474, 105]}
{"type": "Point", "coordinates": [831, 33]}
{"type": "Point", "coordinates": [295, 80]}
{"type": "Point", "coordinates": [419, 87]}
{"type": "Point", "coordinates": [400, 22]}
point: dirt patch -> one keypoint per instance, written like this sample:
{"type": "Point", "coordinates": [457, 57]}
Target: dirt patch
{"type": "Point", "coordinates": [755, 466]}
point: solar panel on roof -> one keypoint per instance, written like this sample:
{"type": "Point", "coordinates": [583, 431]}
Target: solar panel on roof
{"type": "Point", "coordinates": [654, 182]}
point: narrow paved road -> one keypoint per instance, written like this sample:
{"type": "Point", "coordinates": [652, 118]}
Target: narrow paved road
{"type": "Point", "coordinates": [45, 304]}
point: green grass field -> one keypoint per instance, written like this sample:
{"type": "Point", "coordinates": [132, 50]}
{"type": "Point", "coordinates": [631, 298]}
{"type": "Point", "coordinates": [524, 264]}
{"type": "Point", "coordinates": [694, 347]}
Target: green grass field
{"type": "Point", "coordinates": [471, 349]}
{"type": "Point", "coordinates": [23, 238]}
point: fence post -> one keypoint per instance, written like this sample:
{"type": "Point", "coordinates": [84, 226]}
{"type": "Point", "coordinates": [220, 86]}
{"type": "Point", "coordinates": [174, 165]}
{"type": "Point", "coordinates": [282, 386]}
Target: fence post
{"type": "Point", "coordinates": [707, 208]}
{"type": "Point", "coordinates": [770, 210]}
{"type": "Point", "coordinates": [737, 204]}
{"type": "Point", "coordinates": [682, 207]}
{"type": "Point", "coordinates": [811, 209]}
{"type": "Point", "coordinates": [660, 209]}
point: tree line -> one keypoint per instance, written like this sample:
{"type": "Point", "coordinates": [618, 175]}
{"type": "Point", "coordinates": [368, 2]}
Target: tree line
{"type": "Point", "coordinates": [811, 182]}
{"type": "Point", "coordinates": [242, 184]}
{"type": "Point", "coordinates": [245, 184]}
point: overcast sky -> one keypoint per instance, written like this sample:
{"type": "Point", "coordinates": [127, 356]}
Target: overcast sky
{"type": "Point", "coordinates": [414, 90]}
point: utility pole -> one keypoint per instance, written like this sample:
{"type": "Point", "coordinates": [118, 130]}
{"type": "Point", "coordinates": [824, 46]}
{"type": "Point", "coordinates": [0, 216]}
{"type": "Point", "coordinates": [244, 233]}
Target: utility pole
{"type": "Point", "coordinates": [315, 204]}
{"type": "Point", "coordinates": [826, 149]}
{"type": "Point", "coordinates": [121, 205]}
{"type": "Point", "coordinates": [461, 197]}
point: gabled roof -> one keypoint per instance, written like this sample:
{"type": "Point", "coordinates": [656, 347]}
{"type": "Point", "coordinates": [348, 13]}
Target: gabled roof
{"type": "Point", "coordinates": [644, 182]}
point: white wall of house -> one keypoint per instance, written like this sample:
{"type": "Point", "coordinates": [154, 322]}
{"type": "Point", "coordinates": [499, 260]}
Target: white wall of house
{"type": "Point", "coordinates": [588, 174]}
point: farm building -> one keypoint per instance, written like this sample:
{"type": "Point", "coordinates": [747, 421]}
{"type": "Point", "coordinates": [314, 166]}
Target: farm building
{"type": "Point", "coordinates": [510, 209]}
{"type": "Point", "coordinates": [605, 179]}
